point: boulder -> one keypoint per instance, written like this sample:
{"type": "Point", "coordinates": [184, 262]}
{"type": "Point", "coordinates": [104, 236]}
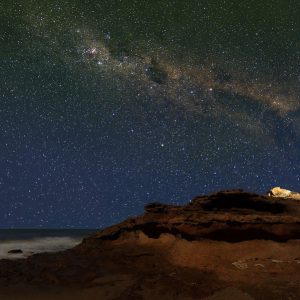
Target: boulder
{"type": "Point", "coordinates": [283, 193]}
{"type": "Point", "coordinates": [279, 192]}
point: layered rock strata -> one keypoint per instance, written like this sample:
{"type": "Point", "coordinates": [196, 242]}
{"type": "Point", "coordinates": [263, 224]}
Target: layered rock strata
{"type": "Point", "coordinates": [227, 245]}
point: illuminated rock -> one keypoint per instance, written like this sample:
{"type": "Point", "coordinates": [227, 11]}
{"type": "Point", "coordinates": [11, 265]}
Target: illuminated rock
{"type": "Point", "coordinates": [283, 193]}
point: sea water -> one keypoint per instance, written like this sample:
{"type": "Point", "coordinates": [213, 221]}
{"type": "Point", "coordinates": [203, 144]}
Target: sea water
{"type": "Point", "coordinates": [32, 241]}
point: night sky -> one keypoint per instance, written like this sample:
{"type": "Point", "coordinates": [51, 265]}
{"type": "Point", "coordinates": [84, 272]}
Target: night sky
{"type": "Point", "coordinates": [108, 105]}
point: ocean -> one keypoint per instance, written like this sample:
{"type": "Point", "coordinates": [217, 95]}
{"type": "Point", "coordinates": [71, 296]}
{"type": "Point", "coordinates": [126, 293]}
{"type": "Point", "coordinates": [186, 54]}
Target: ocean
{"type": "Point", "coordinates": [32, 241]}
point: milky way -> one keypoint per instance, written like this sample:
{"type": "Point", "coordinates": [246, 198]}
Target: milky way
{"type": "Point", "coordinates": [108, 105]}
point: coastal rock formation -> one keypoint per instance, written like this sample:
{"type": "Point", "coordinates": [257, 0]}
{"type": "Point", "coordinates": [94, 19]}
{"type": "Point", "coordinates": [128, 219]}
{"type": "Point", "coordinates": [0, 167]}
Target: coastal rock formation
{"type": "Point", "coordinates": [227, 245]}
{"type": "Point", "coordinates": [230, 216]}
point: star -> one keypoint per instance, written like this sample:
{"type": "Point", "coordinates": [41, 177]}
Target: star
{"type": "Point", "coordinates": [106, 106]}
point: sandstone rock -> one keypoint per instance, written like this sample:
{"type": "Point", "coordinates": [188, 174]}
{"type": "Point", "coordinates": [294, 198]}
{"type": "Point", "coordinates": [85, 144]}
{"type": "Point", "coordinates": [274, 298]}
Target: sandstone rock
{"type": "Point", "coordinates": [283, 193]}
{"type": "Point", "coordinates": [231, 216]}
{"type": "Point", "coordinates": [279, 192]}
{"type": "Point", "coordinates": [226, 245]}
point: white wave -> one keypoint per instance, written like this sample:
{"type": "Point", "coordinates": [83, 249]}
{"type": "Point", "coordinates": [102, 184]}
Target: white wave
{"type": "Point", "coordinates": [37, 245]}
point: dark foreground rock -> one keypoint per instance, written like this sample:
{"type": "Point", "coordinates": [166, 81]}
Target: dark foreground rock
{"type": "Point", "coordinates": [228, 245]}
{"type": "Point", "coordinates": [15, 251]}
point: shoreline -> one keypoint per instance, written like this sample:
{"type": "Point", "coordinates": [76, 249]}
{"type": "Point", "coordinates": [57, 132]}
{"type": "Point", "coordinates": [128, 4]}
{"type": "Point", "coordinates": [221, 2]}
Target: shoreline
{"type": "Point", "coordinates": [227, 245]}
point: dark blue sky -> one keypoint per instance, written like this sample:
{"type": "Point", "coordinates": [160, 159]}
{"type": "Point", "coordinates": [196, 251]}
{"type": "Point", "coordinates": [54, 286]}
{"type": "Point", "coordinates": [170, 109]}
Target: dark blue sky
{"type": "Point", "coordinates": [107, 105]}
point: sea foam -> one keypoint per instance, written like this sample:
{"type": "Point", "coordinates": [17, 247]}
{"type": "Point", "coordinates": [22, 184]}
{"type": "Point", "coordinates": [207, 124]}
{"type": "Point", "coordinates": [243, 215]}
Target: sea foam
{"type": "Point", "coordinates": [36, 245]}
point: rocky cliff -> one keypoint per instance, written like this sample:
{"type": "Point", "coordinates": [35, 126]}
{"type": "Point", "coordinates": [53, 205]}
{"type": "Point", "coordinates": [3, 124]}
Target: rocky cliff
{"type": "Point", "coordinates": [227, 245]}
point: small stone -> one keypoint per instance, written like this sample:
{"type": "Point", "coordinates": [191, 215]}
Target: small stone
{"type": "Point", "coordinates": [240, 265]}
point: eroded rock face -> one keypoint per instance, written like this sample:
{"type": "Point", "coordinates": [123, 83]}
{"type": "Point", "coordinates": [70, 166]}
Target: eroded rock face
{"type": "Point", "coordinates": [231, 216]}
{"type": "Point", "coordinates": [226, 245]}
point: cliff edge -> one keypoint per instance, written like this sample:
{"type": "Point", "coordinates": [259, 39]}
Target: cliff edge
{"type": "Point", "coordinates": [227, 245]}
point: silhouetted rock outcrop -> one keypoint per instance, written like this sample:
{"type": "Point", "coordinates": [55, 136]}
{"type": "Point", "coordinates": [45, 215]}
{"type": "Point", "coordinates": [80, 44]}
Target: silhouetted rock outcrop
{"type": "Point", "coordinates": [231, 216]}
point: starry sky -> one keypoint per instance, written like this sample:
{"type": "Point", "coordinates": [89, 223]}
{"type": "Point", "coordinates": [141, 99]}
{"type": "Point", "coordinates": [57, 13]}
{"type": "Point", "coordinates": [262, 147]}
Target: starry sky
{"type": "Point", "coordinates": [108, 105]}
